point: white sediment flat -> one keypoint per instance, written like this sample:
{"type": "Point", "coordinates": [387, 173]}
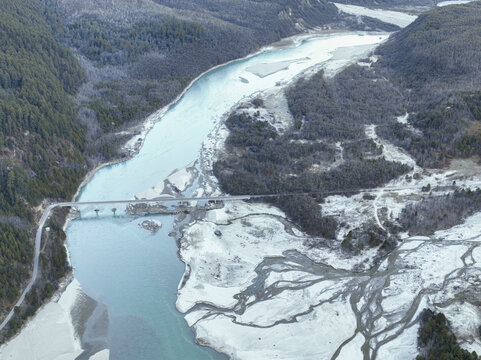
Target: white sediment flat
{"type": "Point", "coordinates": [266, 69]}
{"type": "Point", "coordinates": [453, 2]}
{"type": "Point", "coordinates": [183, 178]}
{"type": "Point", "coordinates": [50, 334]}
{"type": "Point", "coordinates": [101, 355]}
{"type": "Point", "coordinates": [391, 17]}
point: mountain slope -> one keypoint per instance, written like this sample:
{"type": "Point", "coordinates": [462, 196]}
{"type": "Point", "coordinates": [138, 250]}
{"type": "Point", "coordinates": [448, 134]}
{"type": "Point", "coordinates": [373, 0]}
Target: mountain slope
{"type": "Point", "coordinates": [40, 145]}
{"type": "Point", "coordinates": [140, 55]}
{"type": "Point", "coordinates": [435, 62]}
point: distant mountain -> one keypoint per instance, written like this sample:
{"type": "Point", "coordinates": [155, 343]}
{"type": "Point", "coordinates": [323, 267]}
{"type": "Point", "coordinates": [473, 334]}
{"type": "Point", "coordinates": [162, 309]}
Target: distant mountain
{"type": "Point", "coordinates": [276, 16]}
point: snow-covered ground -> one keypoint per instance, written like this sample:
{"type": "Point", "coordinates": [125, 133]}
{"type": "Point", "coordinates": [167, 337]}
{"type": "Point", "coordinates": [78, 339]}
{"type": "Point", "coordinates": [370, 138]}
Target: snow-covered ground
{"type": "Point", "coordinates": [256, 287]}
{"type": "Point", "coordinates": [225, 265]}
{"type": "Point", "coordinates": [177, 182]}
{"type": "Point", "coordinates": [469, 230]}
{"type": "Point", "coordinates": [101, 355]}
{"type": "Point", "coordinates": [392, 17]}
{"type": "Point", "coordinates": [183, 178]}
{"type": "Point", "coordinates": [453, 2]}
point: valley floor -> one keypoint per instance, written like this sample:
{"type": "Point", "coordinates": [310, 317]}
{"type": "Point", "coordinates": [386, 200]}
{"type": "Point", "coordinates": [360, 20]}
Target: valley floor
{"type": "Point", "coordinates": [261, 288]}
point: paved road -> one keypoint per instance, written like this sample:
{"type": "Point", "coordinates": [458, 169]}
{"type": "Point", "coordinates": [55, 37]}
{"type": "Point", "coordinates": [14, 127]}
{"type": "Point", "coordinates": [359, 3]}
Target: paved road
{"type": "Point", "coordinates": [159, 200]}
{"type": "Point", "coordinates": [38, 236]}
{"type": "Point", "coordinates": [38, 240]}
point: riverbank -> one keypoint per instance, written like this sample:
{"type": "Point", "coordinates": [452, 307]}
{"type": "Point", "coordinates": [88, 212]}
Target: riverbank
{"type": "Point", "coordinates": [251, 281]}
{"type": "Point", "coordinates": [50, 334]}
{"type": "Point", "coordinates": [154, 118]}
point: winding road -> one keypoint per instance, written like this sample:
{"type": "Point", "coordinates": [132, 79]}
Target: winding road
{"type": "Point", "coordinates": [38, 240]}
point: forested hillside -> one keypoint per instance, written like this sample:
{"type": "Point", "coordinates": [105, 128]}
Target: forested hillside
{"type": "Point", "coordinates": [435, 63]}
{"type": "Point", "coordinates": [40, 143]}
{"type": "Point", "coordinates": [440, 47]}
{"type": "Point", "coordinates": [140, 55]}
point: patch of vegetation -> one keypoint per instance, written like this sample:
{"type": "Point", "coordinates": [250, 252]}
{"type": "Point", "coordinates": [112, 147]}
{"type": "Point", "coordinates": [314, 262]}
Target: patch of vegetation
{"type": "Point", "coordinates": [361, 149]}
{"type": "Point", "coordinates": [16, 253]}
{"type": "Point", "coordinates": [260, 161]}
{"type": "Point", "coordinates": [440, 212]}
{"type": "Point", "coordinates": [338, 109]}
{"type": "Point", "coordinates": [366, 237]}
{"type": "Point", "coordinates": [437, 341]}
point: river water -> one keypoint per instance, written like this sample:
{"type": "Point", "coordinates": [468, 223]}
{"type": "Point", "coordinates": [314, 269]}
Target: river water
{"type": "Point", "coordinates": [136, 274]}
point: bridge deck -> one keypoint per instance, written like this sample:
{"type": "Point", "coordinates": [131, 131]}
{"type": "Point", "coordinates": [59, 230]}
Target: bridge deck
{"type": "Point", "coordinates": [166, 199]}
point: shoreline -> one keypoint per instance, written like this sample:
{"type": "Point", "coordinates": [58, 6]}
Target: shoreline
{"type": "Point", "coordinates": [158, 114]}
{"type": "Point", "coordinates": [294, 40]}
{"type": "Point", "coordinates": [148, 123]}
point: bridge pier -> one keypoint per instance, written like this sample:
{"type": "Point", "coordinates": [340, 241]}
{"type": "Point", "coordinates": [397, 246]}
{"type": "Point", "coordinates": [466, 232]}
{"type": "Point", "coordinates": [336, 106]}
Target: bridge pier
{"type": "Point", "coordinates": [76, 212]}
{"type": "Point", "coordinates": [97, 211]}
{"type": "Point", "coordinates": [114, 210]}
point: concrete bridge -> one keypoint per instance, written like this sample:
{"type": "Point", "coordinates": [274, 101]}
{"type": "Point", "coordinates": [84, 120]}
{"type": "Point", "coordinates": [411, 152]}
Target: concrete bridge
{"type": "Point", "coordinates": [159, 200]}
